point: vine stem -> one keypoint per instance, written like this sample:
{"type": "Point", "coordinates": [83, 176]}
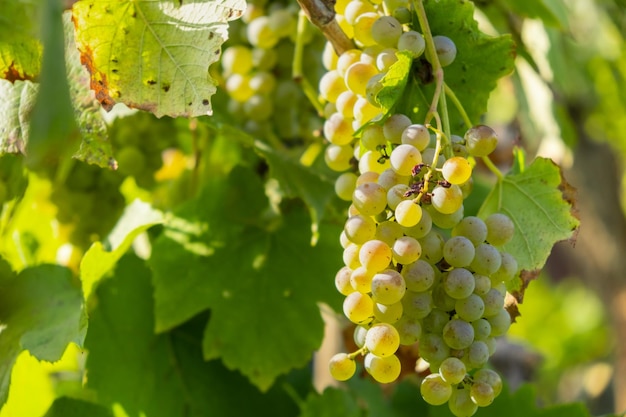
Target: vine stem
{"type": "Point", "coordinates": [322, 14]}
{"type": "Point", "coordinates": [361, 351]}
{"type": "Point", "coordinates": [457, 103]}
{"type": "Point", "coordinates": [298, 73]}
{"type": "Point", "coordinates": [492, 167]}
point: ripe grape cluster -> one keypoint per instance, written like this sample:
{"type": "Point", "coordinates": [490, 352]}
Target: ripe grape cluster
{"type": "Point", "coordinates": [416, 269]}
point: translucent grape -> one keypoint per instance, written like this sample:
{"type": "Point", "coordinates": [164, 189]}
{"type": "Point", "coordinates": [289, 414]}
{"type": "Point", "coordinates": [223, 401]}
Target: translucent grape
{"type": "Point", "coordinates": [458, 334]}
{"type": "Point", "coordinates": [452, 370]}
{"type": "Point", "coordinates": [470, 308]}
{"type": "Point", "coordinates": [351, 256]}
{"type": "Point", "coordinates": [373, 87]}
{"type": "Point", "coordinates": [482, 329]}
{"type": "Point", "coordinates": [473, 228]}
{"type": "Point", "coordinates": [482, 284]}
{"type": "Point", "coordinates": [386, 58]}
{"type": "Point", "coordinates": [358, 307]}
{"type": "Point", "coordinates": [500, 323]}
{"type": "Point", "coordinates": [357, 76]}
{"type": "Point", "coordinates": [412, 42]}
{"type": "Point", "coordinates": [261, 34]}
{"type": "Point", "coordinates": [417, 305]}
{"type": "Point", "coordinates": [432, 348]}
{"type": "Point", "coordinates": [346, 59]}
{"type": "Point", "coordinates": [388, 232]}
{"type": "Point", "coordinates": [388, 313]}
{"type": "Point", "coordinates": [345, 185]}
{"type": "Point", "coordinates": [361, 280]}
{"type": "Point", "coordinates": [359, 229]}
{"type": "Point", "coordinates": [447, 199]}
{"type": "Point", "coordinates": [382, 339]}
{"type": "Point", "coordinates": [372, 137]}
{"type": "Point", "coordinates": [435, 390]}
{"type": "Point", "coordinates": [418, 276]}
{"type": "Point", "coordinates": [236, 59]}
{"type": "Point", "coordinates": [342, 281]}
{"type": "Point", "coordinates": [329, 57]}
{"type": "Point", "coordinates": [446, 221]}
{"type": "Point", "coordinates": [494, 301]}
{"type": "Point", "coordinates": [406, 250]}
{"type": "Point", "coordinates": [487, 259]}
{"type": "Point", "coordinates": [370, 199]}
{"type": "Point", "coordinates": [477, 354]}
{"type": "Point", "coordinates": [386, 31]}
{"type": "Point", "coordinates": [409, 330]}
{"type": "Point", "coordinates": [491, 378]}
{"type": "Point", "coordinates": [388, 287]}
{"type": "Point", "coordinates": [375, 255]}
{"type": "Point", "coordinates": [388, 178]}
{"type": "Point", "coordinates": [461, 404]}
{"type": "Point", "coordinates": [416, 135]}
{"type": "Point", "coordinates": [456, 170]}
{"type": "Point", "coordinates": [331, 85]}
{"type": "Point", "coordinates": [394, 126]}
{"type": "Point", "coordinates": [371, 161]}
{"type": "Point", "coordinates": [238, 87]}
{"type": "Point", "coordinates": [404, 158]}
{"type": "Point", "coordinates": [436, 320]}
{"type": "Point", "coordinates": [432, 247]}
{"type": "Point", "coordinates": [422, 228]}
{"type": "Point", "coordinates": [482, 394]}
{"type": "Point", "coordinates": [442, 299]}
{"type": "Point", "coordinates": [338, 130]}
{"type": "Point", "coordinates": [446, 50]}
{"type": "Point", "coordinates": [458, 251]}
{"type": "Point", "coordinates": [345, 103]}
{"type": "Point", "coordinates": [383, 370]}
{"type": "Point", "coordinates": [342, 367]}
{"type": "Point", "coordinates": [508, 268]}
{"type": "Point", "coordinates": [480, 140]}
{"type": "Point", "coordinates": [407, 213]}
{"type": "Point", "coordinates": [359, 336]}
{"type": "Point", "coordinates": [356, 8]}
{"type": "Point", "coordinates": [364, 111]}
{"type": "Point", "coordinates": [363, 29]}
{"type": "Point", "coordinates": [500, 229]}
{"type": "Point", "coordinates": [395, 195]}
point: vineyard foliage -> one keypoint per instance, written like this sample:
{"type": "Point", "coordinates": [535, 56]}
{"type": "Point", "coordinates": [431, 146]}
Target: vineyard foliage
{"type": "Point", "coordinates": [167, 251]}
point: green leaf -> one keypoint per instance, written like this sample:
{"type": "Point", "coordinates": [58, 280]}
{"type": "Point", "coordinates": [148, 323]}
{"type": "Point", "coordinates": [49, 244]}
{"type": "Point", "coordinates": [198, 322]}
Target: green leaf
{"type": "Point", "coordinates": [101, 258]}
{"type": "Point", "coordinates": [539, 9]}
{"type": "Point", "coordinates": [16, 104]}
{"type": "Point", "coordinates": [20, 51]}
{"type": "Point", "coordinates": [260, 277]}
{"type": "Point", "coordinates": [479, 62]}
{"type": "Point", "coordinates": [160, 375]}
{"type": "Point", "coordinates": [41, 311]}
{"type": "Point", "coordinates": [332, 402]}
{"type": "Point", "coordinates": [534, 201]}
{"type": "Point", "coordinates": [72, 407]}
{"type": "Point", "coordinates": [153, 55]}
{"type": "Point", "coordinates": [394, 82]}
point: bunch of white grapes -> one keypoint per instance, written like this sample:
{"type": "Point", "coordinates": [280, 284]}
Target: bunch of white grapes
{"type": "Point", "coordinates": [417, 271]}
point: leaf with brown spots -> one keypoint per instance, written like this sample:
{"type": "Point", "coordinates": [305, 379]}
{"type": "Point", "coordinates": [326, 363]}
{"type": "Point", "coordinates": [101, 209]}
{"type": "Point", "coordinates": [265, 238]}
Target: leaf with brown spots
{"type": "Point", "coordinates": [20, 50]}
{"type": "Point", "coordinates": [153, 55]}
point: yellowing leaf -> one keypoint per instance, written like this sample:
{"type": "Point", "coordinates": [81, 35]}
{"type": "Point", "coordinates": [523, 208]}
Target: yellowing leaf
{"type": "Point", "coordinates": [153, 55]}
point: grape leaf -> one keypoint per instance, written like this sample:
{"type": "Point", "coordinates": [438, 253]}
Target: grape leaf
{"type": "Point", "coordinates": [20, 51]}
{"type": "Point", "coordinates": [153, 55]}
{"type": "Point", "coordinates": [394, 82]}
{"type": "Point", "coordinates": [250, 271]}
{"type": "Point", "coordinates": [72, 407]}
{"type": "Point", "coordinates": [534, 201]}
{"type": "Point", "coordinates": [41, 311]}
{"type": "Point", "coordinates": [479, 62]}
{"type": "Point", "coordinates": [101, 258]}
{"type": "Point", "coordinates": [16, 104]}
{"type": "Point", "coordinates": [160, 375]}
{"type": "Point", "coordinates": [332, 402]}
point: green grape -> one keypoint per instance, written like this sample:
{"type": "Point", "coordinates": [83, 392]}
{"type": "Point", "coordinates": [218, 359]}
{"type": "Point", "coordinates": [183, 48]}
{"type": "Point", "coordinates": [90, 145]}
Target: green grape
{"type": "Point", "coordinates": [388, 313]}
{"type": "Point", "coordinates": [363, 29]}
{"type": "Point", "coordinates": [433, 349]}
{"type": "Point", "coordinates": [447, 200]}
{"type": "Point", "coordinates": [436, 320]}
{"type": "Point", "coordinates": [458, 334]}
{"type": "Point", "coordinates": [331, 85]}
{"type": "Point", "coordinates": [345, 104]}
{"type": "Point", "coordinates": [375, 255]}
{"type": "Point", "coordinates": [507, 270]}
{"type": "Point", "coordinates": [500, 323]}
{"type": "Point", "coordinates": [370, 199]}
{"type": "Point", "coordinates": [417, 305]}
{"type": "Point", "coordinates": [446, 221]}
{"type": "Point", "coordinates": [416, 135]}
{"type": "Point", "coordinates": [260, 33]}
{"type": "Point", "coordinates": [487, 259]}
{"type": "Point", "coordinates": [382, 339]}
{"type": "Point", "coordinates": [359, 229]}
{"type": "Point", "coordinates": [361, 280]}
{"type": "Point", "coordinates": [394, 126]}
{"type": "Point", "coordinates": [385, 59]}
{"type": "Point", "coordinates": [351, 256]}
{"type": "Point", "coordinates": [489, 377]}
{"type": "Point", "coordinates": [282, 22]}
{"type": "Point", "coordinates": [404, 158]}
{"type": "Point", "coordinates": [367, 177]}
{"type": "Point", "coordinates": [477, 354]}
{"type": "Point", "coordinates": [386, 31]}
{"type": "Point", "coordinates": [370, 53]}
{"type": "Point", "coordinates": [409, 330]}
{"type": "Point", "coordinates": [500, 229]}
{"type": "Point", "coordinates": [456, 170]}
{"type": "Point", "coordinates": [338, 158]}
{"type": "Point", "coordinates": [428, 156]}
{"type": "Point", "coordinates": [388, 287]}
{"type": "Point", "coordinates": [264, 59]}
{"type": "Point", "coordinates": [494, 301]}
{"type": "Point", "coordinates": [389, 178]}
{"type": "Point", "coordinates": [446, 50]}
{"type": "Point", "coordinates": [470, 308]}
{"type": "Point", "coordinates": [342, 367]}
{"type": "Point", "coordinates": [412, 42]}
{"type": "Point", "coordinates": [372, 137]}
{"type": "Point", "coordinates": [395, 194]}
{"type": "Point", "coordinates": [371, 161]}
{"type": "Point", "coordinates": [482, 329]}
{"type": "Point", "coordinates": [346, 59]}
{"type": "Point", "coordinates": [441, 298]}
{"type": "Point", "coordinates": [358, 308]}
{"type": "Point", "coordinates": [458, 251]}
{"type": "Point", "coordinates": [359, 336]}
{"type": "Point", "coordinates": [482, 284]}
{"type": "Point", "coordinates": [435, 390]}
{"type": "Point", "coordinates": [237, 59]}
{"type": "Point", "coordinates": [383, 370]}
{"type": "Point", "coordinates": [338, 130]}
{"type": "Point", "coordinates": [418, 276]}
{"type": "Point", "coordinates": [480, 140]}
{"type": "Point", "coordinates": [364, 111]}
{"type": "Point", "coordinates": [329, 57]}
{"type": "Point", "coordinates": [238, 87]}
{"type": "Point", "coordinates": [388, 232]}
{"type": "Point", "coordinates": [403, 14]}
{"type": "Point", "coordinates": [345, 185]}
{"type": "Point", "coordinates": [408, 213]}
{"type": "Point", "coordinates": [342, 281]}
{"type": "Point", "coordinates": [461, 404]}
{"type": "Point", "coordinates": [432, 247]}
{"type": "Point", "coordinates": [452, 370]}
{"type": "Point", "coordinates": [482, 394]}
{"type": "Point", "coordinates": [356, 8]}
{"type": "Point", "coordinates": [357, 76]}
{"type": "Point", "coordinates": [422, 228]}
{"type": "Point", "coordinates": [373, 87]}
{"type": "Point", "coordinates": [258, 107]}
{"type": "Point", "coordinates": [491, 344]}
{"type": "Point", "coordinates": [472, 228]}
{"type": "Point", "coordinates": [406, 250]}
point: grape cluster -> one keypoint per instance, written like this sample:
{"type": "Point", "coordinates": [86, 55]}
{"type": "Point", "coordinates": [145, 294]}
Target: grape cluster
{"type": "Point", "coordinates": [256, 72]}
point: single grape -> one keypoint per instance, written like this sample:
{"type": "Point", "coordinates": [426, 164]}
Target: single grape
{"type": "Point", "coordinates": [422, 228]}
{"type": "Point", "coordinates": [491, 378]}
{"type": "Point", "coordinates": [404, 158]}
{"type": "Point", "coordinates": [482, 284]}
{"type": "Point", "coordinates": [342, 367]}
{"type": "Point", "coordinates": [358, 308]}
{"type": "Point", "coordinates": [236, 59]}
{"type": "Point", "coordinates": [394, 126]}
{"type": "Point", "coordinates": [417, 305]}
{"type": "Point", "coordinates": [338, 130]}
{"type": "Point", "coordinates": [382, 339]}
{"type": "Point", "coordinates": [364, 111]}
{"type": "Point", "coordinates": [389, 178]}
{"type": "Point", "coordinates": [433, 349]}
{"type": "Point", "coordinates": [416, 135]}
{"type": "Point", "coordinates": [351, 256]}
{"type": "Point", "coordinates": [458, 251]}
{"type": "Point", "coordinates": [446, 50]}
{"type": "Point", "coordinates": [388, 287]}
{"type": "Point", "coordinates": [477, 354]}
{"type": "Point", "coordinates": [412, 42]}
{"type": "Point", "coordinates": [458, 334]}
{"type": "Point", "coordinates": [480, 140]}
{"type": "Point", "coordinates": [331, 85]}
{"type": "Point", "coordinates": [375, 255]}
{"type": "Point", "coordinates": [342, 281]}
{"type": "Point", "coordinates": [345, 104]}
{"type": "Point", "coordinates": [359, 229]}
{"type": "Point", "coordinates": [508, 268]}
{"type": "Point", "coordinates": [473, 228]}
{"type": "Point", "coordinates": [345, 185]}
{"type": "Point", "coordinates": [370, 199]}
{"type": "Point", "coordinates": [386, 31]}
{"type": "Point", "coordinates": [356, 8]}
{"type": "Point", "coordinates": [363, 29]}
{"type": "Point", "coordinates": [371, 161]}
{"type": "Point", "coordinates": [482, 329]}
{"type": "Point", "coordinates": [500, 229]}
{"type": "Point", "coordinates": [435, 390]}
{"type": "Point", "coordinates": [500, 323]}
{"type": "Point", "coordinates": [395, 195]}
{"type": "Point", "coordinates": [388, 232]}
{"type": "Point", "coordinates": [357, 76]}
{"type": "Point", "coordinates": [346, 59]}
{"type": "Point", "coordinates": [409, 330]}
{"type": "Point", "coordinates": [447, 199]}
{"type": "Point", "coordinates": [482, 394]}
{"type": "Point", "coordinates": [383, 370]}
{"type": "Point", "coordinates": [487, 259]}
{"type": "Point", "coordinates": [432, 247]}
{"type": "Point", "coordinates": [261, 34]}
{"type": "Point", "coordinates": [338, 158]}
{"type": "Point", "coordinates": [406, 250]}
{"type": "Point", "coordinates": [408, 213]}
{"type": "Point", "coordinates": [361, 280]}
{"type": "Point", "coordinates": [470, 308]}
{"type": "Point", "coordinates": [418, 276]}
{"type": "Point", "coordinates": [436, 320]}
{"type": "Point", "coordinates": [456, 170]}
{"type": "Point", "coordinates": [445, 221]}
{"type": "Point", "coordinates": [452, 370]}
{"type": "Point", "coordinates": [494, 302]}
{"type": "Point", "coordinates": [385, 59]}
{"type": "Point", "coordinates": [372, 137]}
{"type": "Point", "coordinates": [359, 336]}
{"type": "Point", "coordinates": [441, 298]}
{"type": "Point", "coordinates": [388, 313]}
{"type": "Point", "coordinates": [461, 404]}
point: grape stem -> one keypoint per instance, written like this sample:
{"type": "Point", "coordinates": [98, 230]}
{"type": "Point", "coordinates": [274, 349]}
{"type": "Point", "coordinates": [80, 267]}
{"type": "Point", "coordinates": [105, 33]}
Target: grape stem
{"type": "Point", "coordinates": [493, 168]}
{"type": "Point", "coordinates": [297, 73]}
{"type": "Point", "coordinates": [356, 353]}
{"type": "Point", "coordinates": [458, 105]}
{"type": "Point", "coordinates": [322, 14]}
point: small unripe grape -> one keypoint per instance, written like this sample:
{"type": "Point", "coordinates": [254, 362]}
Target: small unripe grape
{"type": "Point", "coordinates": [435, 390]}
{"type": "Point", "coordinates": [412, 42]}
{"type": "Point", "coordinates": [500, 229]}
{"type": "Point", "coordinates": [386, 31]}
{"type": "Point", "coordinates": [480, 140]}
{"type": "Point", "coordinates": [446, 50]}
